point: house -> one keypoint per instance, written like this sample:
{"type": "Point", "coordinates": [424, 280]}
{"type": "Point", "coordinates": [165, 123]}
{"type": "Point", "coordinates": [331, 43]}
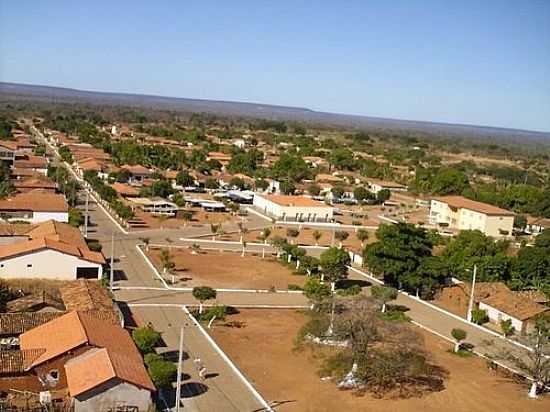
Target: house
{"type": "Point", "coordinates": [376, 185]}
{"type": "Point", "coordinates": [326, 178]}
{"type": "Point", "coordinates": [37, 164]}
{"type": "Point", "coordinates": [460, 213]}
{"type": "Point", "coordinates": [94, 358]}
{"type": "Point", "coordinates": [35, 207]}
{"type": "Point", "coordinates": [125, 190]}
{"type": "Point", "coordinates": [156, 206]}
{"type": "Point", "coordinates": [293, 208]}
{"type": "Point", "coordinates": [7, 151]}
{"type": "Point", "coordinates": [137, 174]}
{"type": "Point", "coordinates": [506, 305]}
{"type": "Point", "coordinates": [52, 250]}
{"type": "Point", "coordinates": [34, 183]}
{"type": "Point", "coordinates": [100, 166]}
{"type": "Point", "coordinates": [12, 325]}
{"type": "Point", "coordinates": [536, 225]}
{"type": "Point", "coordinates": [221, 157]}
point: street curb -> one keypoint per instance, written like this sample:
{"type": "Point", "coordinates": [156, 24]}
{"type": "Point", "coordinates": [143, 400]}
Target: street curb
{"type": "Point", "coordinates": [229, 362]}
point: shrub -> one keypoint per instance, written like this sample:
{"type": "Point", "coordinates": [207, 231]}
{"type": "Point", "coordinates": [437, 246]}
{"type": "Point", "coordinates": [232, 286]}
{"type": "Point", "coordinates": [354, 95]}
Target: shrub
{"type": "Point", "coordinates": [479, 316]}
{"type": "Point", "coordinates": [94, 246]}
{"type": "Point", "coordinates": [292, 286]}
{"type": "Point", "coordinates": [394, 316]}
{"type": "Point", "coordinates": [219, 311]}
{"type": "Point", "coordinates": [152, 357]}
{"type": "Point", "coordinates": [145, 338]}
{"type": "Point", "coordinates": [351, 291]}
{"type": "Point", "coordinates": [162, 373]}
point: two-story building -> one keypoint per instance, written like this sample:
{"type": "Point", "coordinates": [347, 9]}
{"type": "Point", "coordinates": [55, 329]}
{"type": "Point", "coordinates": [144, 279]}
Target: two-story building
{"type": "Point", "coordinates": [457, 212]}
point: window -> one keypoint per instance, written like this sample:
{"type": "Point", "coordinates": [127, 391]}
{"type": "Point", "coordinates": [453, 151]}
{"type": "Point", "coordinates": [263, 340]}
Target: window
{"type": "Point", "coordinates": [53, 374]}
{"type": "Point", "coordinates": [29, 265]}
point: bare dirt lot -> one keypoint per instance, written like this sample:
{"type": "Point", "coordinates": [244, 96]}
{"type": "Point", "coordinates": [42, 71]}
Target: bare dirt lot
{"type": "Point", "coordinates": [263, 351]}
{"type": "Point", "coordinates": [228, 270]}
{"type": "Point", "coordinates": [305, 237]}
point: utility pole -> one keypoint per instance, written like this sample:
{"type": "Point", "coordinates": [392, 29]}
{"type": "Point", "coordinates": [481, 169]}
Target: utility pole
{"type": "Point", "coordinates": [178, 381]}
{"type": "Point", "coordinates": [471, 302]}
{"type": "Point", "coordinates": [112, 275]}
{"type": "Point", "coordinates": [86, 215]}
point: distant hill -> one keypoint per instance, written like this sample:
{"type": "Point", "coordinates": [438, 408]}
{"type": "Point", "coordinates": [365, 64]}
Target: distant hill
{"type": "Point", "coordinates": [257, 110]}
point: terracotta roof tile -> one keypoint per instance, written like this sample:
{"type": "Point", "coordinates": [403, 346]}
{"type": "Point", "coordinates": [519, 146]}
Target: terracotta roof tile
{"type": "Point", "coordinates": [514, 305]}
{"type": "Point", "coordinates": [36, 202]}
{"type": "Point", "coordinates": [14, 362]}
{"type": "Point", "coordinates": [119, 356]}
{"type": "Point", "coordinates": [18, 323]}
{"type": "Point", "coordinates": [86, 294]}
{"type": "Point", "coordinates": [460, 202]}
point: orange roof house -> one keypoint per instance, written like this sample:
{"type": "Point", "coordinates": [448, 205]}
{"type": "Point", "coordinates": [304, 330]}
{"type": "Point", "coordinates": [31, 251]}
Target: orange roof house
{"type": "Point", "coordinates": [52, 250]}
{"type": "Point", "coordinates": [35, 207]}
{"type": "Point", "coordinates": [33, 183]}
{"type": "Point", "coordinates": [94, 354]}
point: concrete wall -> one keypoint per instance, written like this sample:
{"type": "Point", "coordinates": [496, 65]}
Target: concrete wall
{"type": "Point", "coordinates": [46, 263]}
{"type": "Point", "coordinates": [471, 220]}
{"type": "Point", "coordinates": [111, 394]}
{"type": "Point", "coordinates": [496, 316]}
{"type": "Point", "coordinates": [39, 217]}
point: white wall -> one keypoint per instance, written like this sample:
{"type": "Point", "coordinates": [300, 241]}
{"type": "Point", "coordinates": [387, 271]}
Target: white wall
{"type": "Point", "coordinates": [496, 316]}
{"type": "Point", "coordinates": [317, 213]}
{"type": "Point", "coordinates": [39, 217]}
{"type": "Point", "coordinates": [47, 264]}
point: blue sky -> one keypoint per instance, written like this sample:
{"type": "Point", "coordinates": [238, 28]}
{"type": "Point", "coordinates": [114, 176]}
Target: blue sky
{"type": "Point", "coordinates": [476, 62]}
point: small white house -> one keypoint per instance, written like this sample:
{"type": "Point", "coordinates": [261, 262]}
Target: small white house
{"type": "Point", "coordinates": [35, 207]}
{"type": "Point", "coordinates": [506, 305]}
{"type": "Point", "coordinates": [376, 186]}
{"type": "Point", "coordinates": [46, 258]}
{"type": "Point", "coordinates": [156, 206]}
{"type": "Point", "coordinates": [293, 208]}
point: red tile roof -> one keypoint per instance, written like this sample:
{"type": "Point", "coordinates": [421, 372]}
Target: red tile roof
{"type": "Point", "coordinates": [36, 202]}
{"type": "Point", "coordinates": [460, 202]}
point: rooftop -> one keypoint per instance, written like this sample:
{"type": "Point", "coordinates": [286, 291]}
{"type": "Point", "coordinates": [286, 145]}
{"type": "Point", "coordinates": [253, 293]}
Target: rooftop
{"type": "Point", "coordinates": [460, 202]}
{"type": "Point", "coordinates": [18, 323]}
{"type": "Point", "coordinates": [85, 295]}
{"type": "Point", "coordinates": [514, 305]}
{"type": "Point", "coordinates": [36, 202]}
{"type": "Point", "coordinates": [290, 201]}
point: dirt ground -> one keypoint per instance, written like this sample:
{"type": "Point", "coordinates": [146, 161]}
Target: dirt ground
{"type": "Point", "coordinates": [228, 270]}
{"type": "Point", "coordinates": [291, 378]}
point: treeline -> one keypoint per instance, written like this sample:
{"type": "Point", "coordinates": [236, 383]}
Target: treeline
{"type": "Point", "coordinates": [404, 257]}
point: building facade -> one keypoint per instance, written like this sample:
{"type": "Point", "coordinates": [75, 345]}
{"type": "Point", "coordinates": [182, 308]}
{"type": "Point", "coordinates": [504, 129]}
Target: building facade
{"type": "Point", "coordinates": [293, 208]}
{"type": "Point", "coordinates": [460, 213]}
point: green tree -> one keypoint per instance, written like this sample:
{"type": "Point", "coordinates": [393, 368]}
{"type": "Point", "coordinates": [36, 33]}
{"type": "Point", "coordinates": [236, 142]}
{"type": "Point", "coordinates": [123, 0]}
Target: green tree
{"type": "Point", "coordinates": [362, 235]}
{"type": "Point", "coordinates": [383, 195]}
{"type": "Point", "coordinates": [458, 335]}
{"type": "Point", "coordinates": [183, 178]}
{"type": "Point", "coordinates": [166, 260]}
{"type": "Point", "coordinates": [507, 327]}
{"type": "Point", "coordinates": [76, 218]}
{"type": "Point", "coordinates": [162, 373]}
{"type": "Point", "coordinates": [202, 294]}
{"type": "Point", "coordinates": [334, 264]}
{"type": "Point", "coordinates": [315, 290]}
{"type": "Point", "coordinates": [337, 192]}
{"type": "Point", "coordinates": [145, 338]}
{"type": "Point", "coordinates": [398, 253]}
{"type": "Point", "coordinates": [287, 187]}
{"type": "Point", "coordinates": [314, 189]}
{"type": "Point", "coordinates": [361, 194]}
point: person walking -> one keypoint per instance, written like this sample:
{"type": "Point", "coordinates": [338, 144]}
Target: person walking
{"type": "Point", "coordinates": [201, 369]}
